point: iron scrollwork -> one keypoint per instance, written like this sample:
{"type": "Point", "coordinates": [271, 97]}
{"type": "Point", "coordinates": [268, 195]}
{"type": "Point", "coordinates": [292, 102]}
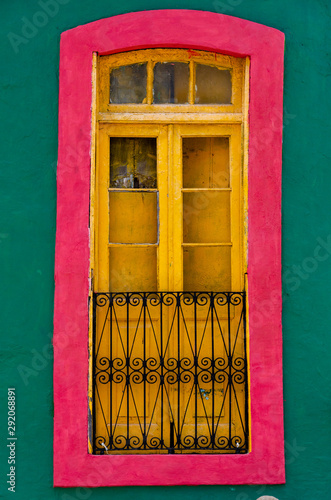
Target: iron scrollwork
{"type": "Point", "coordinates": [170, 372]}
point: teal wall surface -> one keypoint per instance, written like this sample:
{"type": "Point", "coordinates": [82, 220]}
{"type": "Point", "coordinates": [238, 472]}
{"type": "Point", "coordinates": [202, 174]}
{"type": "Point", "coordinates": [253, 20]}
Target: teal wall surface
{"type": "Point", "coordinates": [29, 56]}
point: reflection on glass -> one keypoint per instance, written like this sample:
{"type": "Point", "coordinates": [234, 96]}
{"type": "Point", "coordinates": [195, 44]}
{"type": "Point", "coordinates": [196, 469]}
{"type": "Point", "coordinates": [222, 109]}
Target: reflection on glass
{"type": "Point", "coordinates": [171, 83]}
{"type": "Point", "coordinates": [213, 85]}
{"type": "Point", "coordinates": [128, 84]}
{"type": "Point", "coordinates": [133, 162]}
{"type": "Point", "coordinates": [206, 162]}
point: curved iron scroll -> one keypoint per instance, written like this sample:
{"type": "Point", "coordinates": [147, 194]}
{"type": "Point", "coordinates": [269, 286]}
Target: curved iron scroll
{"type": "Point", "coordinates": [170, 372]}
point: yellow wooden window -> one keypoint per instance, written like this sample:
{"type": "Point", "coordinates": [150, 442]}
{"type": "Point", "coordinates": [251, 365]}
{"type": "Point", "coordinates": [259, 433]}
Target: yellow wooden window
{"type": "Point", "coordinates": [169, 254]}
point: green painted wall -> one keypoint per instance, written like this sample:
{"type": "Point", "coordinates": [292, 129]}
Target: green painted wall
{"type": "Point", "coordinates": [28, 136]}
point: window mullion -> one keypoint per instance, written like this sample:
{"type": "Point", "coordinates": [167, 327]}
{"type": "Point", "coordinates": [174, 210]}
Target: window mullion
{"type": "Point", "coordinates": [176, 203]}
{"type": "Point", "coordinates": [237, 265]}
{"type": "Point", "coordinates": [192, 83]}
{"type": "Point", "coordinates": [102, 206]}
{"type": "Point", "coordinates": [150, 78]}
{"type": "Point", "coordinates": [163, 222]}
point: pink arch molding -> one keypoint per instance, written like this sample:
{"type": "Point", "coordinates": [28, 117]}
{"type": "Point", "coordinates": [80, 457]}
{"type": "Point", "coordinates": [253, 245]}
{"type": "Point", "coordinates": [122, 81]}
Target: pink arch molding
{"type": "Point", "coordinates": [73, 465]}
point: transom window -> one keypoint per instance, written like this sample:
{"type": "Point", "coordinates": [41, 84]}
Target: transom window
{"type": "Point", "coordinates": [177, 77]}
{"type": "Point", "coordinates": [169, 363]}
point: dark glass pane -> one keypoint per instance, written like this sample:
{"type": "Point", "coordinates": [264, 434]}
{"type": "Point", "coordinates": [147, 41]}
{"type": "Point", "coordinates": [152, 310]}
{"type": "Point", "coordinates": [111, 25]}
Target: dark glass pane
{"type": "Point", "coordinates": [171, 83]}
{"type": "Point", "coordinates": [213, 85]}
{"type": "Point", "coordinates": [133, 162]}
{"type": "Point", "coordinates": [128, 84]}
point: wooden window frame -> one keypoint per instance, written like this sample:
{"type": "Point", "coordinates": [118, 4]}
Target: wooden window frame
{"type": "Point", "coordinates": [264, 46]}
{"type": "Point", "coordinates": [160, 55]}
{"type": "Point", "coordinates": [179, 129]}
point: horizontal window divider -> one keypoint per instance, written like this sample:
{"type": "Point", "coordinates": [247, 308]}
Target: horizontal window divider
{"type": "Point", "coordinates": [193, 190]}
{"type": "Point", "coordinates": [164, 116]}
{"type": "Point", "coordinates": [132, 244]}
{"type": "Point", "coordinates": [133, 190]}
{"type": "Point", "coordinates": [207, 244]}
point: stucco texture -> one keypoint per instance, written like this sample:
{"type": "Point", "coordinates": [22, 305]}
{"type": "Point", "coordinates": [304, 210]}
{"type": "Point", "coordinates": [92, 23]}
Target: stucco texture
{"type": "Point", "coordinates": [29, 102]}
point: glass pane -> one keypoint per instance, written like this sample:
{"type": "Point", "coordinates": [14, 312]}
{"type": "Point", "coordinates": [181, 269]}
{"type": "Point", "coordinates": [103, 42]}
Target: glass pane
{"type": "Point", "coordinates": [206, 217]}
{"type": "Point", "coordinates": [213, 85]}
{"type": "Point", "coordinates": [171, 83]}
{"type": "Point", "coordinates": [206, 162]}
{"type": "Point", "coordinates": [132, 162]}
{"type": "Point", "coordinates": [132, 217]}
{"type": "Point", "coordinates": [132, 269]}
{"type": "Point", "coordinates": [128, 84]}
{"type": "Point", "coordinates": [207, 269]}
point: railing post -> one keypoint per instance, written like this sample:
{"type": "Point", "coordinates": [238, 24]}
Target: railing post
{"type": "Point", "coordinates": [94, 327]}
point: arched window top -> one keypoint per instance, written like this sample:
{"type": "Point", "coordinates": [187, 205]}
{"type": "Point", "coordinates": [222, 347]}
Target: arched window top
{"type": "Point", "coordinates": [171, 76]}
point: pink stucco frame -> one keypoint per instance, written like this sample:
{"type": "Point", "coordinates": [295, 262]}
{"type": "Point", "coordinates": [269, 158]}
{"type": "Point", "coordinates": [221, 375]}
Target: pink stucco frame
{"type": "Point", "coordinates": [73, 466]}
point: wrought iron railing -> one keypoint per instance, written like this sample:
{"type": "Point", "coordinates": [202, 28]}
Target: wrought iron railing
{"type": "Point", "coordinates": [170, 373]}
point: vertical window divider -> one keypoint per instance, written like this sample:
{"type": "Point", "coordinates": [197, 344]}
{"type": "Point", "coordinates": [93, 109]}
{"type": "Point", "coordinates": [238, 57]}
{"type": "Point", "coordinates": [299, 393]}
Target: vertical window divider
{"type": "Point", "coordinates": [175, 176]}
{"type": "Point", "coordinates": [192, 83]}
{"type": "Point", "coordinates": [163, 208]}
{"type": "Point", "coordinates": [171, 206]}
{"type": "Point", "coordinates": [150, 80]}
